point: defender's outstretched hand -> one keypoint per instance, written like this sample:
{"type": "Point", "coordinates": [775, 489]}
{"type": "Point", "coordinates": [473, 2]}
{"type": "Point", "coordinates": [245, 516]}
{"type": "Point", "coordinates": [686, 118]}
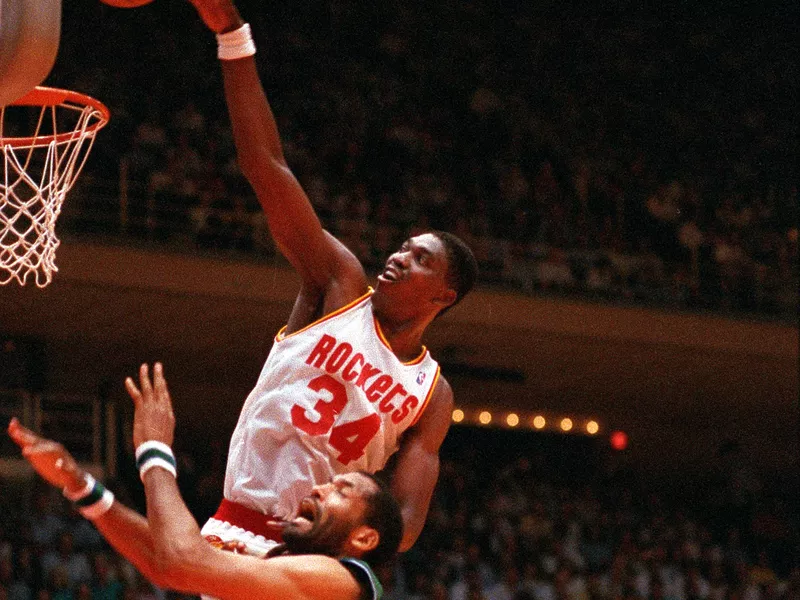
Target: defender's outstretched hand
{"type": "Point", "coordinates": [153, 418]}
{"type": "Point", "coordinates": [48, 458]}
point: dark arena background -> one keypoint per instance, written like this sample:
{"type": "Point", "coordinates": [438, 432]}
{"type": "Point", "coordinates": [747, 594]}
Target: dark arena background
{"type": "Point", "coordinates": [626, 372]}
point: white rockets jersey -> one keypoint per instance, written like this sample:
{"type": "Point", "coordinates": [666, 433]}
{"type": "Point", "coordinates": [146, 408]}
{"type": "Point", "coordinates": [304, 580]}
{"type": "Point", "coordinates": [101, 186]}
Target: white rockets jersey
{"type": "Point", "coordinates": [332, 398]}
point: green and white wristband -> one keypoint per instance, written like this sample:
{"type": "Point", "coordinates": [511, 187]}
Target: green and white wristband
{"type": "Point", "coordinates": [155, 454]}
{"type": "Point", "coordinates": [94, 500]}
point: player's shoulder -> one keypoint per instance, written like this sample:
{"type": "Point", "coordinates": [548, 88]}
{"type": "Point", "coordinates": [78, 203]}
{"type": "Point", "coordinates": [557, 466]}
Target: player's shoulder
{"type": "Point", "coordinates": [439, 409]}
{"type": "Point", "coordinates": [337, 276]}
{"type": "Point", "coordinates": [370, 585]}
{"type": "Point", "coordinates": [320, 576]}
{"type": "Point", "coordinates": [442, 392]}
{"type": "Point", "coordinates": [348, 271]}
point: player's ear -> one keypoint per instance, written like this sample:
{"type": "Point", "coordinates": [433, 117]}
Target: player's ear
{"type": "Point", "coordinates": [363, 539]}
{"type": "Point", "coordinates": [446, 298]}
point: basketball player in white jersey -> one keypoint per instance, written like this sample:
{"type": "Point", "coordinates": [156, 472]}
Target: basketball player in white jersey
{"type": "Point", "coordinates": [348, 381]}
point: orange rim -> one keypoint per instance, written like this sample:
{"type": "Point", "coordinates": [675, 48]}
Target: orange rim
{"type": "Point", "coordinates": [46, 96]}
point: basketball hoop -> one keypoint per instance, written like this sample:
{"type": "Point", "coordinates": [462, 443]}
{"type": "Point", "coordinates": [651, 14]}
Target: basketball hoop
{"type": "Point", "coordinates": [38, 171]}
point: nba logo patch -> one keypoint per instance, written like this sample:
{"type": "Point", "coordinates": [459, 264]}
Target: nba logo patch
{"type": "Point", "coordinates": [420, 378]}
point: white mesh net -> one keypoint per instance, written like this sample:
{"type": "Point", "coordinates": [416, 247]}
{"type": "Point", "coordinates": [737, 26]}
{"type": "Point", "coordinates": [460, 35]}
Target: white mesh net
{"type": "Point", "coordinates": [38, 171]}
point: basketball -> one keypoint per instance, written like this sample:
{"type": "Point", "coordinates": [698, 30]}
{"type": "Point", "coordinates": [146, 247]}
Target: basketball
{"type": "Point", "coordinates": [126, 3]}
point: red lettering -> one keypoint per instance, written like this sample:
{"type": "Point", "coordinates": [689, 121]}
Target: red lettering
{"type": "Point", "coordinates": [409, 404]}
{"type": "Point", "coordinates": [350, 439]}
{"type": "Point", "coordinates": [320, 351]}
{"type": "Point", "coordinates": [327, 409]}
{"type": "Point", "coordinates": [385, 405]}
{"type": "Point", "coordinates": [367, 371]}
{"type": "Point", "coordinates": [349, 373]}
{"type": "Point", "coordinates": [380, 385]}
{"type": "Point", "coordinates": [338, 357]}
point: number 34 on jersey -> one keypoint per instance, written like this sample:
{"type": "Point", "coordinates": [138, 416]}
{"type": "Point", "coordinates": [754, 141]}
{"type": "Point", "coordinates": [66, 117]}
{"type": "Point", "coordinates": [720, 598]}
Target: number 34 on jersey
{"type": "Point", "coordinates": [351, 438]}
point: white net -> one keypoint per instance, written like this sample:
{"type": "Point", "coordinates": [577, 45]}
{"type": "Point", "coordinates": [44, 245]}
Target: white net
{"type": "Point", "coordinates": [38, 171]}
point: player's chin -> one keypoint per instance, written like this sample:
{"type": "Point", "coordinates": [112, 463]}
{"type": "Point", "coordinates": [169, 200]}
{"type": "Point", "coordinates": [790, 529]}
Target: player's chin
{"type": "Point", "coordinates": [385, 285]}
{"type": "Point", "coordinates": [298, 527]}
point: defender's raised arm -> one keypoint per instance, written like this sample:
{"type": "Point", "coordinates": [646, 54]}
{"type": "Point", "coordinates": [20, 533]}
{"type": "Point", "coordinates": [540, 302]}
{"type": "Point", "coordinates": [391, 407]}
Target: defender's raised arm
{"type": "Point", "coordinates": [167, 546]}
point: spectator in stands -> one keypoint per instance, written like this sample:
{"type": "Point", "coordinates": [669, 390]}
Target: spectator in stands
{"type": "Point", "coordinates": [556, 165]}
{"type": "Point", "coordinates": [72, 565]}
{"type": "Point", "coordinates": [105, 585]}
{"type": "Point", "coordinates": [12, 586]}
{"type": "Point", "coordinates": [44, 523]}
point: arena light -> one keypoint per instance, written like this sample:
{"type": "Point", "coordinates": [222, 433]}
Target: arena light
{"type": "Point", "coordinates": [619, 440]}
{"type": "Point", "coordinates": [539, 422]}
{"type": "Point", "coordinates": [512, 419]}
{"type": "Point", "coordinates": [566, 423]}
{"type": "Point", "coordinates": [458, 415]}
{"type": "Point", "coordinates": [485, 417]}
{"type": "Point", "coordinates": [592, 427]}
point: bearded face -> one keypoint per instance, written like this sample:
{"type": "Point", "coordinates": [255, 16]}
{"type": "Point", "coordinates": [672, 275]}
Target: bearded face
{"type": "Point", "coordinates": [326, 518]}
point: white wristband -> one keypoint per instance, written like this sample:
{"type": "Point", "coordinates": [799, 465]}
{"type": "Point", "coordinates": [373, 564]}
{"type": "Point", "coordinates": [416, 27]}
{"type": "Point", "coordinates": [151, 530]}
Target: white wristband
{"type": "Point", "coordinates": [152, 445]}
{"type": "Point", "coordinates": [84, 491]}
{"type": "Point", "coordinates": [155, 454]}
{"type": "Point", "coordinates": [157, 462]}
{"type": "Point", "coordinates": [93, 500]}
{"type": "Point", "coordinates": [100, 507]}
{"type": "Point", "coordinates": [235, 44]}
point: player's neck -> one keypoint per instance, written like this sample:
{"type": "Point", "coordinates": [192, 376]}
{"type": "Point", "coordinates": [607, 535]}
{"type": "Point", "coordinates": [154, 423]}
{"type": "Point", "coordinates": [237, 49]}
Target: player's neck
{"type": "Point", "coordinates": [403, 335]}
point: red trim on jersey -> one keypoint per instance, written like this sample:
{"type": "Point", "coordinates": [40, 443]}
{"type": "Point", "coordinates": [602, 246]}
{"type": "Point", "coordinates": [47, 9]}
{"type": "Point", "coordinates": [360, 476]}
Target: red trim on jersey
{"type": "Point", "coordinates": [249, 520]}
{"type": "Point", "coordinates": [428, 397]}
{"type": "Point", "coordinates": [386, 343]}
{"type": "Point", "coordinates": [279, 336]}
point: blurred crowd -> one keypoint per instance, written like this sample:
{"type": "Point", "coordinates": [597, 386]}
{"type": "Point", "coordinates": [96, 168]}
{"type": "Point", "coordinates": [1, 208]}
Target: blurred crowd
{"type": "Point", "coordinates": [524, 531]}
{"type": "Point", "coordinates": [518, 534]}
{"type": "Point", "coordinates": [634, 160]}
{"type": "Point", "coordinates": [49, 552]}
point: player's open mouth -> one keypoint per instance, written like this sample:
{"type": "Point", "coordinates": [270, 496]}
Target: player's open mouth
{"type": "Point", "coordinates": [307, 512]}
{"type": "Point", "coordinates": [390, 274]}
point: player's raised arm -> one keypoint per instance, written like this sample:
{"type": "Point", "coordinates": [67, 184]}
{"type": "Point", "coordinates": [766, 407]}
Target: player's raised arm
{"type": "Point", "coordinates": [294, 225]}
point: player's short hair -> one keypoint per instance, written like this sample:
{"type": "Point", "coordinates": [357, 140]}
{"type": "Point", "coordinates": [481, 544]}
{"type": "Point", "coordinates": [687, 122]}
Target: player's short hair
{"type": "Point", "coordinates": [384, 516]}
{"type": "Point", "coordinates": [462, 267]}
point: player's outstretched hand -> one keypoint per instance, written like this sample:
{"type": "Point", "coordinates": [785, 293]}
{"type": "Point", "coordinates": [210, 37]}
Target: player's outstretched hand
{"type": "Point", "coordinates": [153, 418]}
{"type": "Point", "coordinates": [218, 15]}
{"type": "Point", "coordinates": [48, 458]}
